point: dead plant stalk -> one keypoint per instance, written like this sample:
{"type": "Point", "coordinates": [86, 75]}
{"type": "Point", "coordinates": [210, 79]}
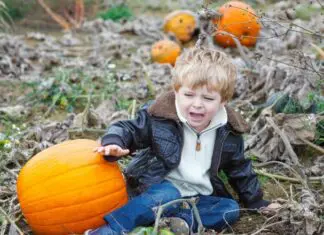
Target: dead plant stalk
{"type": "Point", "coordinates": [68, 21]}
{"type": "Point", "coordinates": [285, 139]}
{"type": "Point", "coordinates": [7, 218]}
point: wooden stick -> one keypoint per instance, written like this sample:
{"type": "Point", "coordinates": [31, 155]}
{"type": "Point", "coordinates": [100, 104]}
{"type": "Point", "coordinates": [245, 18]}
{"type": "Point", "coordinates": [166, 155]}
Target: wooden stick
{"type": "Point", "coordinates": [268, 226]}
{"type": "Point", "coordinates": [59, 19]}
{"type": "Point", "coordinates": [133, 109]}
{"type": "Point", "coordinates": [69, 18]}
{"type": "Point", "coordinates": [79, 12]}
{"type": "Point", "coordinates": [3, 227]}
{"type": "Point", "coordinates": [286, 178]}
{"type": "Point", "coordinates": [239, 47]}
{"type": "Point", "coordinates": [192, 201]}
{"type": "Point", "coordinates": [280, 177]}
{"type": "Point", "coordinates": [318, 148]}
{"type": "Point", "coordinates": [319, 50]}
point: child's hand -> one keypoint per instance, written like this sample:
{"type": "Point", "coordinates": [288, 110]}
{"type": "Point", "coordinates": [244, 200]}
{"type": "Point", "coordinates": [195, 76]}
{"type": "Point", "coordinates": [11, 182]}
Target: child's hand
{"type": "Point", "coordinates": [271, 209]}
{"type": "Point", "coordinates": [274, 206]}
{"type": "Point", "coordinates": [112, 150]}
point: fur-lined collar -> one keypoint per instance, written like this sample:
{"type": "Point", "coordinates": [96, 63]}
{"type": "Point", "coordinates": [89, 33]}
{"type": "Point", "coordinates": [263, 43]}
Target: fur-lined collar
{"type": "Point", "coordinates": [165, 107]}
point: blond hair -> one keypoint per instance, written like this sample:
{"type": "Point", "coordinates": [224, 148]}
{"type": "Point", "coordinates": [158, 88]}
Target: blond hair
{"type": "Point", "coordinates": [197, 67]}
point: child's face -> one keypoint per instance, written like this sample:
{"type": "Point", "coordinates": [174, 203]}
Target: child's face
{"type": "Point", "coordinates": [198, 106]}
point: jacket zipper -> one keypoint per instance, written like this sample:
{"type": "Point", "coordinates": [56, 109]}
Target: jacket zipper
{"type": "Point", "coordinates": [198, 141]}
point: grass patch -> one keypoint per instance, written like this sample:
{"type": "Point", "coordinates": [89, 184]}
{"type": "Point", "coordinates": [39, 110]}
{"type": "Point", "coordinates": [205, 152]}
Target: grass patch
{"type": "Point", "coordinates": [17, 9]}
{"type": "Point", "coordinates": [319, 134]}
{"type": "Point", "coordinates": [117, 13]}
{"type": "Point", "coordinates": [70, 89]}
{"type": "Point", "coordinates": [317, 100]}
{"type": "Point", "coordinates": [10, 134]}
{"type": "Point", "coordinates": [4, 17]}
{"type": "Point", "coordinates": [307, 11]}
{"type": "Point", "coordinates": [123, 104]}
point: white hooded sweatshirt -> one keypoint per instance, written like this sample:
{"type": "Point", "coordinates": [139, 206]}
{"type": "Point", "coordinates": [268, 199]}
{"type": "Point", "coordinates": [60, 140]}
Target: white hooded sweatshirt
{"type": "Point", "coordinates": [192, 177]}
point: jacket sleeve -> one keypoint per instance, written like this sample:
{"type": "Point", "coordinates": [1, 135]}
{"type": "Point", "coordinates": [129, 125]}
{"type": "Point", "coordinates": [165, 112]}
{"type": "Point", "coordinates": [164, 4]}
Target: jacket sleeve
{"type": "Point", "coordinates": [243, 179]}
{"type": "Point", "coordinates": [129, 134]}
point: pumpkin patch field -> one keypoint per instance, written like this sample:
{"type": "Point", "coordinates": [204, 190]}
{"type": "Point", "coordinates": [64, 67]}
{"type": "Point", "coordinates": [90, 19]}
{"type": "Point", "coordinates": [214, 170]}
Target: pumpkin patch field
{"type": "Point", "coordinates": [68, 69]}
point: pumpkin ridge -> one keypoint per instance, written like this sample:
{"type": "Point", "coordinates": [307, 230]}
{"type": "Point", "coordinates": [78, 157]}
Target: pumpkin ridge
{"type": "Point", "coordinates": [68, 171]}
{"type": "Point", "coordinates": [71, 191]}
{"type": "Point", "coordinates": [88, 218]}
{"type": "Point", "coordinates": [39, 160]}
{"type": "Point", "coordinates": [96, 199]}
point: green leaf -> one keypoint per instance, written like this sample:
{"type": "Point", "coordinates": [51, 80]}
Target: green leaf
{"type": "Point", "coordinates": [223, 176]}
{"type": "Point", "coordinates": [142, 231]}
{"type": "Point", "coordinates": [3, 143]}
{"type": "Point", "coordinates": [64, 102]}
{"type": "Point", "coordinates": [149, 231]}
{"type": "Point", "coordinates": [165, 232]}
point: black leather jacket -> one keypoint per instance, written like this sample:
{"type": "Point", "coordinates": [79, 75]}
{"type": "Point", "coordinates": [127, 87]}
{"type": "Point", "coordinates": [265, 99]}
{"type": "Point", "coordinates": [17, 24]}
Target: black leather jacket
{"type": "Point", "coordinates": [158, 133]}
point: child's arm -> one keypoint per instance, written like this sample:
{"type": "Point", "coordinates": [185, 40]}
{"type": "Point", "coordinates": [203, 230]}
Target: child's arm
{"type": "Point", "coordinates": [244, 180]}
{"type": "Point", "coordinates": [129, 135]}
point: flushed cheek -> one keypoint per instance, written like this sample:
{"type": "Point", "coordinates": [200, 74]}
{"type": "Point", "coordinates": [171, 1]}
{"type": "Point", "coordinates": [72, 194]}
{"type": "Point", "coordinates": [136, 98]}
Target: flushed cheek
{"type": "Point", "coordinates": [186, 111]}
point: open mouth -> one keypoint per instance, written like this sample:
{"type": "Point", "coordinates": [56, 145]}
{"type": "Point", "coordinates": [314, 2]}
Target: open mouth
{"type": "Point", "coordinates": [196, 116]}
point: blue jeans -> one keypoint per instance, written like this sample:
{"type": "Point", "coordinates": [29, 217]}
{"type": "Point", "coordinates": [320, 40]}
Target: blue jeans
{"type": "Point", "coordinates": [139, 211]}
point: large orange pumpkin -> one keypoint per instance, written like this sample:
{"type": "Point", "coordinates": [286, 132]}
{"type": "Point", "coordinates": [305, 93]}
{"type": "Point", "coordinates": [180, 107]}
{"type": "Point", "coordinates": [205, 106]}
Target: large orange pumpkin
{"type": "Point", "coordinates": [181, 23]}
{"type": "Point", "coordinates": [68, 188]}
{"type": "Point", "coordinates": [239, 19]}
{"type": "Point", "coordinates": [165, 51]}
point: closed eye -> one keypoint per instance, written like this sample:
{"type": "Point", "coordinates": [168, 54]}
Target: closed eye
{"type": "Point", "coordinates": [188, 94]}
{"type": "Point", "coordinates": [209, 98]}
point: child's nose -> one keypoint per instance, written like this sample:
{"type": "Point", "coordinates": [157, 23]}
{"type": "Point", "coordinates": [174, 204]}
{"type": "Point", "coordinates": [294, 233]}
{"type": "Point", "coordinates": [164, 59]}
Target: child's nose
{"type": "Point", "coordinates": [197, 103]}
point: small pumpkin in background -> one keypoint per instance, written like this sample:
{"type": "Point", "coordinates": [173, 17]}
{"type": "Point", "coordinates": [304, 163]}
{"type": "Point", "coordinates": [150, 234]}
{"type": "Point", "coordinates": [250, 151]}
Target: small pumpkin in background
{"type": "Point", "coordinates": [68, 188]}
{"type": "Point", "coordinates": [165, 51]}
{"type": "Point", "coordinates": [182, 24]}
{"type": "Point", "coordinates": [239, 19]}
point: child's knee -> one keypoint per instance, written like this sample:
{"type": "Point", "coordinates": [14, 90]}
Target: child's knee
{"type": "Point", "coordinates": [161, 193]}
{"type": "Point", "coordinates": [232, 211]}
